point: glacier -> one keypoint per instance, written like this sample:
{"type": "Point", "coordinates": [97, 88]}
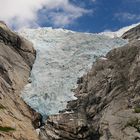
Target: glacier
{"type": "Point", "coordinates": [120, 32]}
{"type": "Point", "coordinates": [62, 57]}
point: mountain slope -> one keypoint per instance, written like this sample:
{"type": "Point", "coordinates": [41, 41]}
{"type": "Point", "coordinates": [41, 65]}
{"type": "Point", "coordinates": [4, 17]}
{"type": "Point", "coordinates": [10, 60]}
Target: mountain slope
{"type": "Point", "coordinates": [16, 59]}
{"type": "Point", "coordinates": [107, 105]}
{"type": "Point", "coordinates": [133, 34]}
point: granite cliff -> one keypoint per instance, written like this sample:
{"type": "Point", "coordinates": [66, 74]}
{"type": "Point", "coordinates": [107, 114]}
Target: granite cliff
{"type": "Point", "coordinates": [108, 99]}
{"type": "Point", "coordinates": [16, 59]}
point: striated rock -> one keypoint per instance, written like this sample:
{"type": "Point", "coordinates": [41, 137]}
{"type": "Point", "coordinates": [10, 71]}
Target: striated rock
{"type": "Point", "coordinates": [108, 101]}
{"type": "Point", "coordinates": [133, 34]}
{"type": "Point", "coordinates": [16, 59]}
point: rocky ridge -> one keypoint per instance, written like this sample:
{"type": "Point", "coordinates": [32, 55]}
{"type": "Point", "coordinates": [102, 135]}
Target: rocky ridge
{"type": "Point", "coordinates": [133, 34]}
{"type": "Point", "coordinates": [16, 59]}
{"type": "Point", "coordinates": [108, 103]}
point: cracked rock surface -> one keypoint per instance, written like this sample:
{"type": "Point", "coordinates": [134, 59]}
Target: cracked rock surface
{"type": "Point", "coordinates": [16, 59]}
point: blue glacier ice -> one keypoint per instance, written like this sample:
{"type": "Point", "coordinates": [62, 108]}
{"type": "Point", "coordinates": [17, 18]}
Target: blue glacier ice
{"type": "Point", "coordinates": [62, 57]}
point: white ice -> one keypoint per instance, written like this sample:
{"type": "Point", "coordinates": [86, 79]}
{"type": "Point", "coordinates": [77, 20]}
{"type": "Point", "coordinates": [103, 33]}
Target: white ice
{"type": "Point", "coordinates": [62, 57]}
{"type": "Point", "coordinates": [120, 32]}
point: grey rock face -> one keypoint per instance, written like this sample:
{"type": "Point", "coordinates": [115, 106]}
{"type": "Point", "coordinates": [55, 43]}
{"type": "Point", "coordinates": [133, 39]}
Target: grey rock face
{"type": "Point", "coordinates": [16, 59]}
{"type": "Point", "coordinates": [133, 34]}
{"type": "Point", "coordinates": [108, 106]}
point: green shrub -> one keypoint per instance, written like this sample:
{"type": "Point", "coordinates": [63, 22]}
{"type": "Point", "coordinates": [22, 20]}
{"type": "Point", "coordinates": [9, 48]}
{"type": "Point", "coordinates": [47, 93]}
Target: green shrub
{"type": "Point", "coordinates": [6, 129]}
{"type": "Point", "coordinates": [137, 109]}
{"type": "Point", "coordinates": [2, 107]}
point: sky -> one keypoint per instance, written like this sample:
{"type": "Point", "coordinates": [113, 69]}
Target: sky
{"type": "Point", "coordinates": [78, 15]}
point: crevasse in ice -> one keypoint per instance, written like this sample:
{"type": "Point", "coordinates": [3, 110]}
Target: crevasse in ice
{"type": "Point", "coordinates": [62, 57]}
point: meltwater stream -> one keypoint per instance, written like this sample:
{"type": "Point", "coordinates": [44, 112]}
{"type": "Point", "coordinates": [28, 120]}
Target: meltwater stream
{"type": "Point", "coordinates": [62, 57]}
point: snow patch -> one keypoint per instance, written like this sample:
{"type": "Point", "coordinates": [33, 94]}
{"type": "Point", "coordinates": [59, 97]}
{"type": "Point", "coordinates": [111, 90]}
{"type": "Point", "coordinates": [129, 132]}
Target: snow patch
{"type": "Point", "coordinates": [38, 131]}
{"type": "Point", "coordinates": [118, 33]}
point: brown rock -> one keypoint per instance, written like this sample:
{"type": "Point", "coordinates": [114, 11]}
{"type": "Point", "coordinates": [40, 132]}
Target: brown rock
{"type": "Point", "coordinates": [16, 59]}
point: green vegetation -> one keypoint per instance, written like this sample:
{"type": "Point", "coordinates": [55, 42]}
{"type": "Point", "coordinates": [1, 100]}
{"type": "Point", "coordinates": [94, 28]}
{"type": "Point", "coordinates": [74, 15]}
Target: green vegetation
{"type": "Point", "coordinates": [2, 107]}
{"type": "Point", "coordinates": [137, 109]}
{"type": "Point", "coordinates": [134, 123]}
{"type": "Point", "coordinates": [6, 129]}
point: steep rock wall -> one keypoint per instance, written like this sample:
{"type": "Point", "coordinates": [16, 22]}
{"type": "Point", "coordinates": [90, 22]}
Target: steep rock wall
{"type": "Point", "coordinates": [16, 59]}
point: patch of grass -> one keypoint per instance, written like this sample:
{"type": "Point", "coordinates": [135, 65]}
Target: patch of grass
{"type": "Point", "coordinates": [6, 129]}
{"type": "Point", "coordinates": [2, 107]}
{"type": "Point", "coordinates": [137, 109]}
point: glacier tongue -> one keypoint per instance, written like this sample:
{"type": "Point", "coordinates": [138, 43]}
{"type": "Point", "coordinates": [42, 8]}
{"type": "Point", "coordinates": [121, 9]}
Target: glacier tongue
{"type": "Point", "coordinates": [62, 57]}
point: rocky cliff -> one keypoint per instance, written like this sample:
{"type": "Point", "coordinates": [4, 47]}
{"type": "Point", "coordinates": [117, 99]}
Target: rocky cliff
{"type": "Point", "coordinates": [16, 59]}
{"type": "Point", "coordinates": [132, 34]}
{"type": "Point", "coordinates": [108, 99]}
